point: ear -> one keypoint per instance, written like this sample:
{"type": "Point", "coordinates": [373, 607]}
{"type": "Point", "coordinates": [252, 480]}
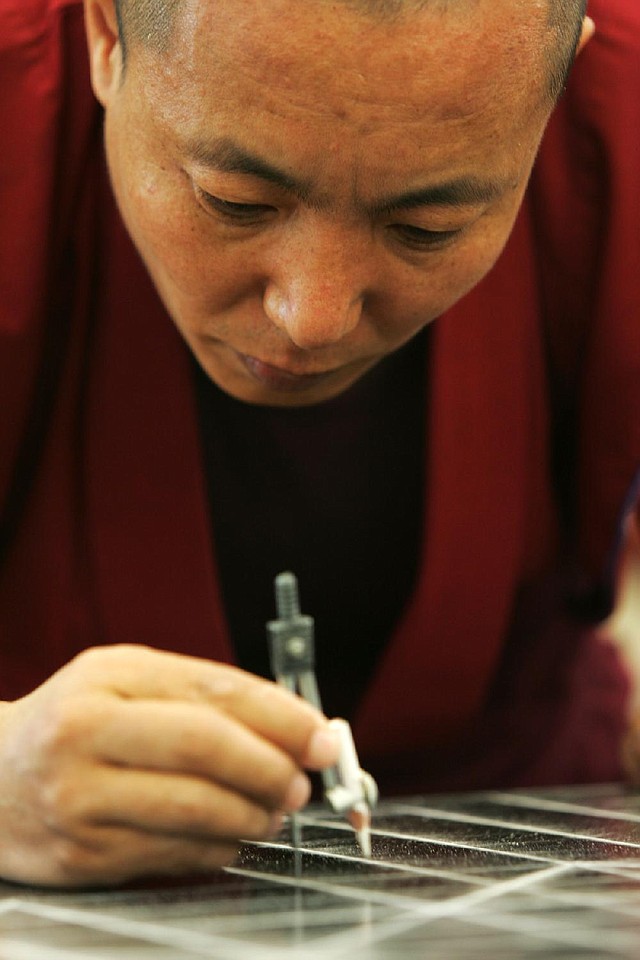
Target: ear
{"type": "Point", "coordinates": [588, 30]}
{"type": "Point", "coordinates": [105, 48]}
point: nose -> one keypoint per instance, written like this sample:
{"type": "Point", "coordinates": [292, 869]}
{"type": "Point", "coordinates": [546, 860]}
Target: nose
{"type": "Point", "coordinates": [317, 297]}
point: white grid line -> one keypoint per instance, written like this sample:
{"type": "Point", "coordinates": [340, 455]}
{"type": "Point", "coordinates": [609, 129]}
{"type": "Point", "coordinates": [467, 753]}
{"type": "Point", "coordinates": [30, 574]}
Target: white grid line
{"type": "Point", "coordinates": [351, 919]}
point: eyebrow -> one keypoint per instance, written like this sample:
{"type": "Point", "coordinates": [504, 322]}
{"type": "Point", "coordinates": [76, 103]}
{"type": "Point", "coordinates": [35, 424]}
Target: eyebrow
{"type": "Point", "coordinates": [227, 156]}
{"type": "Point", "coordinates": [459, 192]}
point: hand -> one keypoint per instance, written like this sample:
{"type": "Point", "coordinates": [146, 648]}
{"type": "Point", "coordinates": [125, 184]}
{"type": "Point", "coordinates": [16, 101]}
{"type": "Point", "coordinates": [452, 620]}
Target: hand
{"type": "Point", "coordinates": [131, 761]}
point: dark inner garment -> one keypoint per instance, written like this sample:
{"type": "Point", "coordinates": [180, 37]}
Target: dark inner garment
{"type": "Point", "coordinates": [332, 492]}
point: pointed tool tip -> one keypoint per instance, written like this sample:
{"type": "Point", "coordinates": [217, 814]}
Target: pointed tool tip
{"type": "Point", "coordinates": [364, 839]}
{"type": "Point", "coordinates": [360, 820]}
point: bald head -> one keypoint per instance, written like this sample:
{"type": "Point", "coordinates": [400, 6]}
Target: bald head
{"type": "Point", "coordinates": [151, 23]}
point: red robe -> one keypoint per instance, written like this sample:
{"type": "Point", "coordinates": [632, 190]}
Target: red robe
{"type": "Point", "coordinates": [105, 533]}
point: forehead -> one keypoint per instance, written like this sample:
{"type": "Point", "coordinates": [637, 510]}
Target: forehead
{"type": "Point", "coordinates": [434, 39]}
{"type": "Point", "coordinates": [331, 74]}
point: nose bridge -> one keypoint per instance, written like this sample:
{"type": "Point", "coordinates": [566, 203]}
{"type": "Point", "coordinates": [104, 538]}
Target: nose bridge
{"type": "Point", "coordinates": [318, 294]}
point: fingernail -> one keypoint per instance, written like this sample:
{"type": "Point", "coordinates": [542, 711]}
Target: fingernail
{"type": "Point", "coordinates": [298, 793]}
{"type": "Point", "coordinates": [323, 748]}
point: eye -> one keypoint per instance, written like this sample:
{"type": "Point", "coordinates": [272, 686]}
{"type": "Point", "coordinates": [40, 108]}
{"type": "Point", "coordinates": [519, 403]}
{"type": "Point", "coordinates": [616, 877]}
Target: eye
{"type": "Point", "coordinates": [418, 238]}
{"type": "Point", "coordinates": [240, 213]}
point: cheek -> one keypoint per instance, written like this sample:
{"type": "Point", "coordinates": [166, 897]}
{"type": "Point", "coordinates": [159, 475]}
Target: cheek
{"type": "Point", "coordinates": [195, 277]}
{"type": "Point", "coordinates": [431, 291]}
{"type": "Point", "coordinates": [159, 212]}
{"type": "Point", "coordinates": [167, 234]}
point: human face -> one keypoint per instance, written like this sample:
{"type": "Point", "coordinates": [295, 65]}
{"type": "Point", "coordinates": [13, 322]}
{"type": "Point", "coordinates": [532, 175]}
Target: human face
{"type": "Point", "coordinates": [309, 185]}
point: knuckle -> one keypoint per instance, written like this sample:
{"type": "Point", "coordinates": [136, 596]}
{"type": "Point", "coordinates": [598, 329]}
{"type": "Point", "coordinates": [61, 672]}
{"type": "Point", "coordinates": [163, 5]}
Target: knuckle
{"type": "Point", "coordinates": [222, 682]}
{"type": "Point", "coordinates": [91, 659]}
{"type": "Point", "coordinates": [190, 752]}
{"type": "Point", "coordinates": [63, 803]}
{"type": "Point", "coordinates": [277, 697]}
{"type": "Point", "coordinates": [95, 660]}
{"type": "Point", "coordinates": [65, 726]}
{"type": "Point", "coordinates": [98, 661]}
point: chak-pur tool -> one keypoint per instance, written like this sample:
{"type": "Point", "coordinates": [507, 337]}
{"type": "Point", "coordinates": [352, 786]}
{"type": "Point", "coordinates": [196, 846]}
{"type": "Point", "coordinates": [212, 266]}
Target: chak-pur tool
{"type": "Point", "coordinates": [347, 788]}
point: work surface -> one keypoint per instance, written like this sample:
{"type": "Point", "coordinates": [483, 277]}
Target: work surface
{"type": "Point", "coordinates": [544, 874]}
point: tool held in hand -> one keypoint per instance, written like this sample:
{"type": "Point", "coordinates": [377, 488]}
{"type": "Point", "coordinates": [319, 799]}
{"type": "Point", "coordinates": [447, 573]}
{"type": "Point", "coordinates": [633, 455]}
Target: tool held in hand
{"type": "Point", "coordinates": [347, 788]}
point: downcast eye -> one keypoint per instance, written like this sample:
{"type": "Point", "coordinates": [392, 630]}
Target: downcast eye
{"type": "Point", "coordinates": [420, 238]}
{"type": "Point", "coordinates": [230, 210]}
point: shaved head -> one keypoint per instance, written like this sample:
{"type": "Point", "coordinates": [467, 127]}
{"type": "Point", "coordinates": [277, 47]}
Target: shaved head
{"type": "Point", "coordinates": [311, 182]}
{"type": "Point", "coordinates": [151, 23]}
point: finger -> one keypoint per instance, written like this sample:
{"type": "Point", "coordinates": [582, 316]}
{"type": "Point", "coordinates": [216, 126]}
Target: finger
{"type": "Point", "coordinates": [157, 804]}
{"type": "Point", "coordinates": [275, 714]}
{"type": "Point", "coordinates": [200, 741]}
{"type": "Point", "coordinates": [167, 856]}
{"type": "Point", "coordinates": [117, 855]}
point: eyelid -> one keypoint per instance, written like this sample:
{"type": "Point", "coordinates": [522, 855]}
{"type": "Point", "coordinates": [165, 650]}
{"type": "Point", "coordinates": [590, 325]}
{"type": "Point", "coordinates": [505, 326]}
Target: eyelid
{"type": "Point", "coordinates": [232, 208]}
{"type": "Point", "coordinates": [442, 230]}
{"type": "Point", "coordinates": [247, 214]}
{"type": "Point", "coordinates": [421, 238]}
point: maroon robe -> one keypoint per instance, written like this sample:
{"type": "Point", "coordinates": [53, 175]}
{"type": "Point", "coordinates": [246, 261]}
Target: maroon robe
{"type": "Point", "coordinates": [533, 401]}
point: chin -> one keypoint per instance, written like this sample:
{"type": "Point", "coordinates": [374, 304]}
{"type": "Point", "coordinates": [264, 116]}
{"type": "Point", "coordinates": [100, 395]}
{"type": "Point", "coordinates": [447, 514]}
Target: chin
{"type": "Point", "coordinates": [241, 386]}
{"type": "Point", "coordinates": [264, 397]}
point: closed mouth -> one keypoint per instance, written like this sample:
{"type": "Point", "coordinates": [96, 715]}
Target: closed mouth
{"type": "Point", "coordinates": [281, 378]}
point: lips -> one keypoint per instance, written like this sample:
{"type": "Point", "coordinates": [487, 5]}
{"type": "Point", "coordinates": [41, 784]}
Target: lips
{"type": "Point", "coordinates": [279, 378]}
